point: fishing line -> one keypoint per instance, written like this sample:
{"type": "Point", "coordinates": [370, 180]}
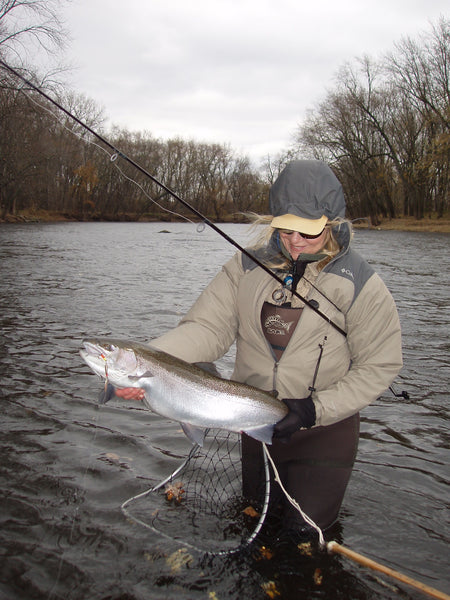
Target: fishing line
{"type": "Point", "coordinates": [321, 293]}
{"type": "Point", "coordinates": [112, 157]}
{"type": "Point", "coordinates": [52, 593]}
{"type": "Point", "coordinates": [174, 195]}
{"type": "Point", "coordinates": [332, 546]}
{"type": "Point", "coordinates": [294, 503]}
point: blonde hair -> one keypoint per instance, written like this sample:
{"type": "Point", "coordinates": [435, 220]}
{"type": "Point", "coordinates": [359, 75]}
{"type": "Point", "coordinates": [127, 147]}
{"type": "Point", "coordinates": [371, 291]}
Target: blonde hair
{"type": "Point", "coordinates": [331, 247]}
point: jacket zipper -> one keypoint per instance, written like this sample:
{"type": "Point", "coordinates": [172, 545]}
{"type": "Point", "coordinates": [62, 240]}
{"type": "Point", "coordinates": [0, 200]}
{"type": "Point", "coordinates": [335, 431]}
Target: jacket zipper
{"type": "Point", "coordinates": [274, 380]}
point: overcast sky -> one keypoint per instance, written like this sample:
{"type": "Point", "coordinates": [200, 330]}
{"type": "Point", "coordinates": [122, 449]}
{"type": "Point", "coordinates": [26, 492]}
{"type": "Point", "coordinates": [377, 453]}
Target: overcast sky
{"type": "Point", "coordinates": [238, 72]}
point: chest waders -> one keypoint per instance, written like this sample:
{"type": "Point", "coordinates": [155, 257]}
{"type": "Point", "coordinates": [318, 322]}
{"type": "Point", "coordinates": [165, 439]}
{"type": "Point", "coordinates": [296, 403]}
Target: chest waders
{"type": "Point", "coordinates": [316, 464]}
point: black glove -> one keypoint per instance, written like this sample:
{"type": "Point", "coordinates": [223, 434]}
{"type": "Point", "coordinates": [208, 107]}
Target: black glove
{"type": "Point", "coordinates": [302, 414]}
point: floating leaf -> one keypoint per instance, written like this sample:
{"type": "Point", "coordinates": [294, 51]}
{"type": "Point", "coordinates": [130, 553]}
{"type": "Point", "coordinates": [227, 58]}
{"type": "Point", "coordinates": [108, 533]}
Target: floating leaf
{"type": "Point", "coordinates": [318, 577]}
{"type": "Point", "coordinates": [250, 511]}
{"type": "Point", "coordinates": [174, 491]}
{"type": "Point", "coordinates": [266, 552]}
{"type": "Point", "coordinates": [179, 559]}
{"type": "Point", "coordinates": [271, 589]}
{"type": "Point", "coordinates": [305, 548]}
{"type": "Point", "coordinates": [112, 456]}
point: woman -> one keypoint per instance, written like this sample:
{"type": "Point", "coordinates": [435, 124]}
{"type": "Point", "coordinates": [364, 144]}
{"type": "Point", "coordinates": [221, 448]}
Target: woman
{"type": "Point", "coordinates": [289, 344]}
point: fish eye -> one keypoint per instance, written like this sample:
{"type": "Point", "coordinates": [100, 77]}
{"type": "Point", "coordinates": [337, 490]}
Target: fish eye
{"type": "Point", "coordinates": [110, 347]}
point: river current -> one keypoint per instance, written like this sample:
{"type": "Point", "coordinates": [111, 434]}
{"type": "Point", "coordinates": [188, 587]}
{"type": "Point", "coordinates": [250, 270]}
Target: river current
{"type": "Point", "coordinates": [68, 464]}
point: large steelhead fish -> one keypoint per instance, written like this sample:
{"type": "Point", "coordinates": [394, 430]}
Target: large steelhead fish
{"type": "Point", "coordinates": [183, 392]}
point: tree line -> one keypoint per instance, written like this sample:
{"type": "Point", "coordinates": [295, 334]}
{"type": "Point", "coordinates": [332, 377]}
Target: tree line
{"type": "Point", "coordinates": [51, 163]}
{"type": "Point", "coordinates": [383, 128]}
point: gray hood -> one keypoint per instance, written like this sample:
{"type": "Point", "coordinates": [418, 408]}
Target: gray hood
{"type": "Point", "coordinates": [307, 189]}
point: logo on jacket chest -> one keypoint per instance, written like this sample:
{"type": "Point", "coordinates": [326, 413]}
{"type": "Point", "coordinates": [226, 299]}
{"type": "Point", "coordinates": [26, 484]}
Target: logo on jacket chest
{"type": "Point", "coordinates": [275, 325]}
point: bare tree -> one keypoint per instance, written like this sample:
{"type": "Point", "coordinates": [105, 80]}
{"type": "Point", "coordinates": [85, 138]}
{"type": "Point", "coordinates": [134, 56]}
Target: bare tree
{"type": "Point", "coordinates": [49, 161]}
{"type": "Point", "coordinates": [385, 129]}
{"type": "Point", "coordinates": [421, 72]}
{"type": "Point", "coordinates": [25, 24]}
{"type": "Point", "coordinates": [248, 191]}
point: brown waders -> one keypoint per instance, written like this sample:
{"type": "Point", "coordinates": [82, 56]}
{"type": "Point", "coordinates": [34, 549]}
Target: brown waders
{"type": "Point", "coordinates": [314, 467]}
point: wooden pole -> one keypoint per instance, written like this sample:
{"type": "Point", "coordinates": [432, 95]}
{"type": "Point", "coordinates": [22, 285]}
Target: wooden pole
{"type": "Point", "coordinates": [335, 548]}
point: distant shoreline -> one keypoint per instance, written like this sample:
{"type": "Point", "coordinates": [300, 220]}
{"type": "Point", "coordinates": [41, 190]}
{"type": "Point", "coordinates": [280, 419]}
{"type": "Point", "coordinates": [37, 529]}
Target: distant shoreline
{"type": "Point", "coordinates": [431, 225]}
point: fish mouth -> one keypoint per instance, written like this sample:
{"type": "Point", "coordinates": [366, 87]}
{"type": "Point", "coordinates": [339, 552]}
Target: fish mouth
{"type": "Point", "coordinates": [93, 348]}
{"type": "Point", "coordinates": [94, 356]}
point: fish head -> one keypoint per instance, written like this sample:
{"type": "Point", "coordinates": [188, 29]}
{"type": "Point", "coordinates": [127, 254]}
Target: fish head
{"type": "Point", "coordinates": [112, 360]}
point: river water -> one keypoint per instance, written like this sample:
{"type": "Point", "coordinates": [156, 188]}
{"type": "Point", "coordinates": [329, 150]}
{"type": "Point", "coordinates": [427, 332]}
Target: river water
{"type": "Point", "coordinates": [67, 464]}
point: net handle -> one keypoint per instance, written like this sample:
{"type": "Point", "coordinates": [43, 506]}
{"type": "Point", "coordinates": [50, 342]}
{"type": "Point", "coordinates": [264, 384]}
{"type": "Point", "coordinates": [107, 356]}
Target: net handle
{"type": "Point", "coordinates": [335, 548]}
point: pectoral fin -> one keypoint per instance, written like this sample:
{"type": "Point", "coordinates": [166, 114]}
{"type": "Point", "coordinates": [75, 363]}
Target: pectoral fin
{"type": "Point", "coordinates": [195, 434]}
{"type": "Point", "coordinates": [107, 393]}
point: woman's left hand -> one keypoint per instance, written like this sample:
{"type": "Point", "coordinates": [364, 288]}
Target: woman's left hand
{"type": "Point", "coordinates": [301, 415]}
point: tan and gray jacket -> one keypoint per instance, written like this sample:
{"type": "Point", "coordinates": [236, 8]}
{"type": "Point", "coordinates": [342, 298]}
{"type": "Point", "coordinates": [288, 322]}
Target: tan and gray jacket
{"type": "Point", "coordinates": [353, 371]}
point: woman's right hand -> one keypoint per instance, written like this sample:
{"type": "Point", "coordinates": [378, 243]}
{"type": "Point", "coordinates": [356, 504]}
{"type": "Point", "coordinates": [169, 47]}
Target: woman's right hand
{"type": "Point", "coordinates": [130, 393]}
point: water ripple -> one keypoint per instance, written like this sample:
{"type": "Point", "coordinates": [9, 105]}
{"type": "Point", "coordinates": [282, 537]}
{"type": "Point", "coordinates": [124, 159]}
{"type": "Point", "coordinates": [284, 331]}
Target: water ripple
{"type": "Point", "coordinates": [68, 464]}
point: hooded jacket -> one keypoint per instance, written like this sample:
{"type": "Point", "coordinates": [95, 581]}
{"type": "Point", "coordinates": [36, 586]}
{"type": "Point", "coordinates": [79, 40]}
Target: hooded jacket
{"type": "Point", "coordinates": [353, 370]}
{"type": "Point", "coordinates": [308, 189]}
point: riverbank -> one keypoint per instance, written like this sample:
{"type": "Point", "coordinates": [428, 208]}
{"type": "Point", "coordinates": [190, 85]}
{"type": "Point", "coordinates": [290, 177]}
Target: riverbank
{"type": "Point", "coordinates": [427, 224]}
{"type": "Point", "coordinates": [433, 225]}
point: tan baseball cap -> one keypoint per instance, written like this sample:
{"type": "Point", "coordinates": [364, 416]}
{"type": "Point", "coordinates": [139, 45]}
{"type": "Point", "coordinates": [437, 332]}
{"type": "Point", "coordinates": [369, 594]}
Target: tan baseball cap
{"type": "Point", "coordinates": [300, 224]}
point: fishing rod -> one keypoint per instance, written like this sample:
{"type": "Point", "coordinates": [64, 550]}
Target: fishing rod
{"type": "Point", "coordinates": [174, 195]}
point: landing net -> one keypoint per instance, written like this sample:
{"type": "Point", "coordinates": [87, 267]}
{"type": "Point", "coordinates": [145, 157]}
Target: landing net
{"type": "Point", "coordinates": [201, 504]}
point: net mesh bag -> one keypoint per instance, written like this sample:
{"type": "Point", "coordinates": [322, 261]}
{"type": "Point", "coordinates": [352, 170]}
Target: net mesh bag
{"type": "Point", "coordinates": [201, 504]}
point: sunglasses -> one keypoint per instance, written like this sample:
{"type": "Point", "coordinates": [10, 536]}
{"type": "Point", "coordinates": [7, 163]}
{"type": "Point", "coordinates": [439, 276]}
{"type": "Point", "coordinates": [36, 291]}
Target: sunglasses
{"type": "Point", "coordinates": [306, 236]}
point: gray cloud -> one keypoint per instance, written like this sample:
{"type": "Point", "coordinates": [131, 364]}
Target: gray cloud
{"type": "Point", "coordinates": [241, 72]}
